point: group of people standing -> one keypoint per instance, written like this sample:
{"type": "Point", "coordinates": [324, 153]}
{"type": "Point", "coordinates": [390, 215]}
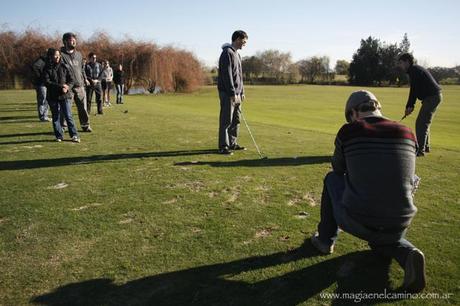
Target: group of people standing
{"type": "Point", "coordinates": [64, 75]}
{"type": "Point", "coordinates": [369, 192]}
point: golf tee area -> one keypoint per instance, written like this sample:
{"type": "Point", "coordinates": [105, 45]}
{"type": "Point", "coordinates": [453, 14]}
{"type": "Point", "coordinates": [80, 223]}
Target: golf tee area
{"type": "Point", "coordinates": [143, 211]}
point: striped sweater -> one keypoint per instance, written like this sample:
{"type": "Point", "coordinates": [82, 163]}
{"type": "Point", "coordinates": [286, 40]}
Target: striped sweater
{"type": "Point", "coordinates": [377, 158]}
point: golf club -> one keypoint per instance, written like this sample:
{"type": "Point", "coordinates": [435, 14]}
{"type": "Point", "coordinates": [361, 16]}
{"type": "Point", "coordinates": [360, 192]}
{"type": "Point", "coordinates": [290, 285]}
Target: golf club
{"type": "Point", "coordinates": [252, 137]}
{"type": "Point", "coordinates": [403, 118]}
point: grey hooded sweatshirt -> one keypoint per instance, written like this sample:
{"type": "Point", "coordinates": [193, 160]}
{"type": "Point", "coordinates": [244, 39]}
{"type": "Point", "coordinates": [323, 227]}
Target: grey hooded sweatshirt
{"type": "Point", "coordinates": [230, 79]}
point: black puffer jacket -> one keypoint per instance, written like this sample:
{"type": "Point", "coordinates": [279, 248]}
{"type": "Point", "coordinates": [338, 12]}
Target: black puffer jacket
{"type": "Point", "coordinates": [56, 75]}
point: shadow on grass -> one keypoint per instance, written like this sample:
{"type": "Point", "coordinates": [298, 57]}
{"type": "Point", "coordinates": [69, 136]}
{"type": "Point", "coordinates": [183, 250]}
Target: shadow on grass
{"type": "Point", "coordinates": [14, 110]}
{"type": "Point", "coordinates": [279, 161]}
{"type": "Point", "coordinates": [11, 118]}
{"type": "Point", "coordinates": [221, 284]}
{"type": "Point", "coordinates": [66, 161]}
{"type": "Point", "coordinates": [26, 134]}
{"type": "Point", "coordinates": [26, 141]}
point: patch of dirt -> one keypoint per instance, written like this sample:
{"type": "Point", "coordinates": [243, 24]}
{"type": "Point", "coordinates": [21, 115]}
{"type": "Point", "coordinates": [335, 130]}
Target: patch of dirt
{"type": "Point", "coordinates": [59, 186]}
{"type": "Point", "coordinates": [86, 206]}
{"type": "Point", "coordinates": [126, 221]}
{"type": "Point", "coordinates": [310, 199]}
{"type": "Point", "coordinates": [172, 201]}
{"type": "Point", "coordinates": [265, 232]}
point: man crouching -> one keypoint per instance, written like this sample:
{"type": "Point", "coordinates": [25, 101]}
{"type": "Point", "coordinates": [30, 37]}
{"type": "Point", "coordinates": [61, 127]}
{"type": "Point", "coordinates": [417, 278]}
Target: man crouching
{"type": "Point", "coordinates": [369, 193]}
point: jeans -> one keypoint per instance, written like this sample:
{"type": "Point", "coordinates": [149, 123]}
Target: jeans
{"type": "Point", "coordinates": [42, 104]}
{"type": "Point", "coordinates": [229, 120]}
{"type": "Point", "coordinates": [334, 215]}
{"type": "Point", "coordinates": [58, 107]}
{"type": "Point", "coordinates": [120, 88]}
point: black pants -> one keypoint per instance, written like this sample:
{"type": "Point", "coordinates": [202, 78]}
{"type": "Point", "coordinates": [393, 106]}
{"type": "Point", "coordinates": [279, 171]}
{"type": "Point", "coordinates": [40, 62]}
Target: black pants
{"type": "Point", "coordinates": [89, 94]}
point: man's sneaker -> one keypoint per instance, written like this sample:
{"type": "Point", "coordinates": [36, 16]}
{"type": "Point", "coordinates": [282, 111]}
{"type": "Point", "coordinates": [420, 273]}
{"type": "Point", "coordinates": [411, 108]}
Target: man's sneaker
{"type": "Point", "coordinates": [225, 151]}
{"type": "Point", "coordinates": [237, 148]}
{"type": "Point", "coordinates": [414, 271]}
{"type": "Point", "coordinates": [321, 246]}
{"type": "Point", "coordinates": [420, 154]}
{"type": "Point", "coordinates": [427, 149]}
{"type": "Point", "coordinates": [58, 139]}
{"type": "Point", "coordinates": [87, 129]}
{"type": "Point", "coordinates": [75, 139]}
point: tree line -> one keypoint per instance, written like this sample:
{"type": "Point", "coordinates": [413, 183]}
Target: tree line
{"type": "Point", "coordinates": [150, 66]}
{"type": "Point", "coordinates": [146, 64]}
{"type": "Point", "coordinates": [373, 64]}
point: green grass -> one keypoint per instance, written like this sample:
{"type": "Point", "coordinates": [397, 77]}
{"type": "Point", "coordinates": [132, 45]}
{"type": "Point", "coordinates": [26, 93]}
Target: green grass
{"type": "Point", "coordinates": [152, 216]}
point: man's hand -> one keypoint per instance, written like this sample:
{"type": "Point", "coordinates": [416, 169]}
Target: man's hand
{"type": "Point", "coordinates": [243, 97]}
{"type": "Point", "coordinates": [87, 83]}
{"type": "Point", "coordinates": [65, 88]}
{"type": "Point", "coordinates": [408, 111]}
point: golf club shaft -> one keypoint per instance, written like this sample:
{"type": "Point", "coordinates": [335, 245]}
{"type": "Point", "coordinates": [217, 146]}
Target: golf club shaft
{"type": "Point", "coordinates": [252, 137]}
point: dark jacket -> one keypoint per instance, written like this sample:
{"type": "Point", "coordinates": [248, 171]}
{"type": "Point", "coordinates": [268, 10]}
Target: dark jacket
{"type": "Point", "coordinates": [119, 77]}
{"type": "Point", "coordinates": [422, 85]}
{"type": "Point", "coordinates": [377, 158]}
{"type": "Point", "coordinates": [230, 78]}
{"type": "Point", "coordinates": [74, 62]}
{"type": "Point", "coordinates": [56, 75]}
{"type": "Point", "coordinates": [93, 71]}
{"type": "Point", "coordinates": [37, 71]}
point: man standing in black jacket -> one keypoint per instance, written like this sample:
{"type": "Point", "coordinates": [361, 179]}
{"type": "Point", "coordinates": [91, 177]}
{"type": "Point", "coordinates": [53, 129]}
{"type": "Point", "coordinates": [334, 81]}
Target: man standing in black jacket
{"type": "Point", "coordinates": [93, 71]}
{"type": "Point", "coordinates": [231, 93]}
{"type": "Point", "coordinates": [424, 87]}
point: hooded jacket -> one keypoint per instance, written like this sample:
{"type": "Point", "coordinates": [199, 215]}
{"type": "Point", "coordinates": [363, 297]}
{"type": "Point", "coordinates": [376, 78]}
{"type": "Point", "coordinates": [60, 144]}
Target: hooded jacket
{"type": "Point", "coordinates": [74, 62]}
{"type": "Point", "coordinates": [230, 78]}
{"type": "Point", "coordinates": [55, 76]}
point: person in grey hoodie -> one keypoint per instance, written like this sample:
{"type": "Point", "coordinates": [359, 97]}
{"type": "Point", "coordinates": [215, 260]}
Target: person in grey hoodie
{"type": "Point", "coordinates": [231, 93]}
{"type": "Point", "coordinates": [369, 193]}
{"type": "Point", "coordinates": [74, 60]}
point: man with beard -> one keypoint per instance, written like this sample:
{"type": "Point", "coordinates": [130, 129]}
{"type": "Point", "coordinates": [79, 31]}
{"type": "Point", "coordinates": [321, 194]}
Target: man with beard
{"type": "Point", "coordinates": [74, 60]}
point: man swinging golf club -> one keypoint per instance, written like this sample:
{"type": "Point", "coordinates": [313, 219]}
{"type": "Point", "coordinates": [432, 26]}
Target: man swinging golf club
{"type": "Point", "coordinates": [231, 93]}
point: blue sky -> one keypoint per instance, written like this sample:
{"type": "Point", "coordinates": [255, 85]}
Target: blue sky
{"type": "Point", "coordinates": [304, 28]}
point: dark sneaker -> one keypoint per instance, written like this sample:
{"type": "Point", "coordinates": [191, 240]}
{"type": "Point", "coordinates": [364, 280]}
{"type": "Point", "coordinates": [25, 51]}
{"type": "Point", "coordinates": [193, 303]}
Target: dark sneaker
{"type": "Point", "coordinates": [414, 271]}
{"type": "Point", "coordinates": [87, 129]}
{"type": "Point", "coordinates": [427, 149]}
{"type": "Point", "coordinates": [420, 154]}
{"type": "Point", "coordinates": [225, 151]}
{"type": "Point", "coordinates": [238, 148]}
{"type": "Point", "coordinates": [321, 246]}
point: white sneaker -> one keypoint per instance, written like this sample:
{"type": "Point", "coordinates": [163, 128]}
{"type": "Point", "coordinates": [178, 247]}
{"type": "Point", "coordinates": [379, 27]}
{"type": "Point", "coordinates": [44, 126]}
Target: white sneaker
{"type": "Point", "coordinates": [321, 246]}
{"type": "Point", "coordinates": [58, 139]}
{"type": "Point", "coordinates": [75, 139]}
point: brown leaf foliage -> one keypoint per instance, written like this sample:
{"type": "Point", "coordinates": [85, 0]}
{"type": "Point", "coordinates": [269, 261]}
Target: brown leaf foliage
{"type": "Point", "coordinates": [145, 63]}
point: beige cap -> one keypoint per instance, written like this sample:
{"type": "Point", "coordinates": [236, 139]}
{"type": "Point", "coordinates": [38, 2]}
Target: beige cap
{"type": "Point", "coordinates": [355, 99]}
